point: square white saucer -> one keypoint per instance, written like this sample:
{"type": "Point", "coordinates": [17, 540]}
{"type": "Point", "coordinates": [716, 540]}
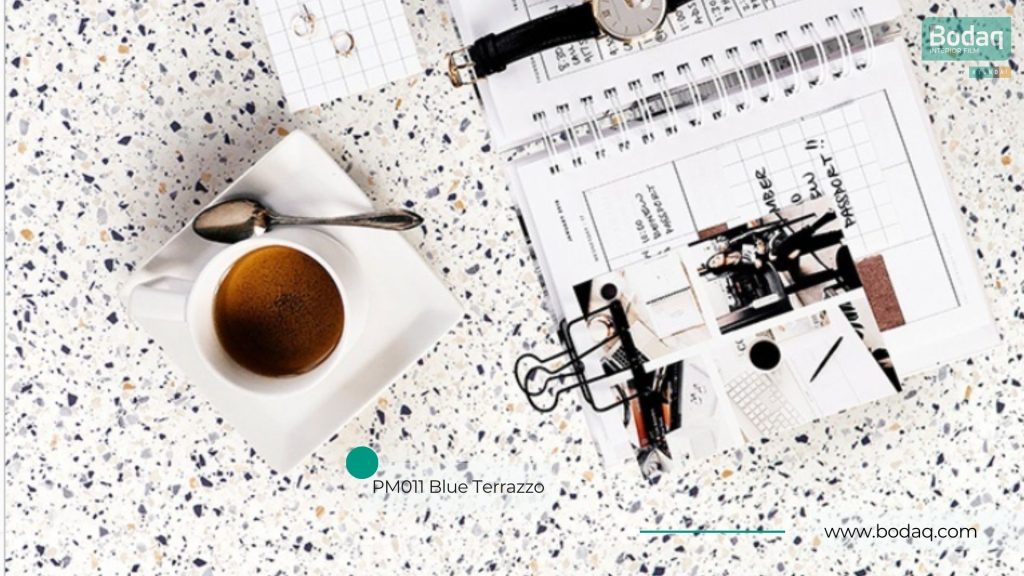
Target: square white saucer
{"type": "Point", "coordinates": [409, 308]}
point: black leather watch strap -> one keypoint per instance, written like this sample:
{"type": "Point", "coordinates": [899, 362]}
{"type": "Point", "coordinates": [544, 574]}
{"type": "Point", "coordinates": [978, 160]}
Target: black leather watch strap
{"type": "Point", "coordinates": [493, 52]}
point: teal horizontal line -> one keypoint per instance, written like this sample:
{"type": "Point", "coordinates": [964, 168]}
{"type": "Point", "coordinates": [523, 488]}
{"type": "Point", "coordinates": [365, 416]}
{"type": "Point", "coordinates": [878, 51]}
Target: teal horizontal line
{"type": "Point", "coordinates": [712, 531]}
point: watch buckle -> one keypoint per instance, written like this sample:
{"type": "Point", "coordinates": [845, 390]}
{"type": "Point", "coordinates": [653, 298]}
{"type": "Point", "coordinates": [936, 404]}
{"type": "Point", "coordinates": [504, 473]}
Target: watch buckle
{"type": "Point", "coordinates": [461, 70]}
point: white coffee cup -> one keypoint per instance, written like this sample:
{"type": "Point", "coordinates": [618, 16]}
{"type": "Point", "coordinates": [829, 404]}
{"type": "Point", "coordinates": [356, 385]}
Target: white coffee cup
{"type": "Point", "coordinates": [192, 302]}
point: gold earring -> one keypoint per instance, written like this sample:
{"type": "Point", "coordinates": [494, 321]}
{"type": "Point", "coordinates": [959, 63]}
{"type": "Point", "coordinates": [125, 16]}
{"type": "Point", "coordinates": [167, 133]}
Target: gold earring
{"type": "Point", "coordinates": [304, 24]}
{"type": "Point", "coordinates": [344, 43]}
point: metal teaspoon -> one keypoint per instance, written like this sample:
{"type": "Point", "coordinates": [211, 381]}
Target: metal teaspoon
{"type": "Point", "coordinates": [236, 220]}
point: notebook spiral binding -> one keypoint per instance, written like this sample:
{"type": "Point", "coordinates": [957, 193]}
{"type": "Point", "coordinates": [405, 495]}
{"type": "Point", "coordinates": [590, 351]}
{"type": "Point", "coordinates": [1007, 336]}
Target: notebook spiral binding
{"type": "Point", "coordinates": [668, 103]}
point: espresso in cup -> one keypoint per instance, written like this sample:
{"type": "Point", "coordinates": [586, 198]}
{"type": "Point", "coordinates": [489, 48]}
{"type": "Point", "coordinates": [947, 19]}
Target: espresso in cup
{"type": "Point", "coordinates": [278, 312]}
{"type": "Point", "coordinates": [765, 355]}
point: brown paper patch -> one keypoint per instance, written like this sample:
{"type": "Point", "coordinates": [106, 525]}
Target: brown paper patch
{"type": "Point", "coordinates": [712, 231]}
{"type": "Point", "coordinates": [881, 295]}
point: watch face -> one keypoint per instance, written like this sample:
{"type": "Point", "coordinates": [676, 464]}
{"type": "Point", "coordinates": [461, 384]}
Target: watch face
{"type": "Point", "coordinates": [629, 19]}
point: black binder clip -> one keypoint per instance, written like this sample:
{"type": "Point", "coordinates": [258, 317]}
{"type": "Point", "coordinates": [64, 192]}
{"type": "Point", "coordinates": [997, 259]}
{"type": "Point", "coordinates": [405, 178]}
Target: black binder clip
{"type": "Point", "coordinates": [538, 380]}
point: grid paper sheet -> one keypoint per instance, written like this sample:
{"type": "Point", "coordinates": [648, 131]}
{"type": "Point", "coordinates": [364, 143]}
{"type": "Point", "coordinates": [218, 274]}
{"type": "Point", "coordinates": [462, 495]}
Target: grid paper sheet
{"type": "Point", "coordinates": [311, 71]}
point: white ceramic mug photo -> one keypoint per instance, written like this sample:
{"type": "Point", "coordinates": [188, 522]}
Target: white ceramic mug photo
{"type": "Point", "coordinates": [192, 302]}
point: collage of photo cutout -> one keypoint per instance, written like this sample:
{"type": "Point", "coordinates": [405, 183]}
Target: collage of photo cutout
{"type": "Point", "coordinates": [744, 332]}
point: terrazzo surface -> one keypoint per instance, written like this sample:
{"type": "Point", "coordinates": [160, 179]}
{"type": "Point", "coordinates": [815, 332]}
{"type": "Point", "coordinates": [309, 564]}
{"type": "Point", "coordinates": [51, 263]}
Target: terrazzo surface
{"type": "Point", "coordinates": [124, 118]}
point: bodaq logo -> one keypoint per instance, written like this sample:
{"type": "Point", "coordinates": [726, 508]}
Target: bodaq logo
{"type": "Point", "coordinates": [966, 39]}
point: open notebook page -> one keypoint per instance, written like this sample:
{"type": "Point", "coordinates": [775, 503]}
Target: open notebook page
{"type": "Point", "coordinates": [566, 74]}
{"type": "Point", "coordinates": [896, 202]}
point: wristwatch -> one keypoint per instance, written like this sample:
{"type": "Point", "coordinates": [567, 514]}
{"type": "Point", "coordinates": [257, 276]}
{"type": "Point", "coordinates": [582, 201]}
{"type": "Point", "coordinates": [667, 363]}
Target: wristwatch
{"type": "Point", "coordinates": [626, 20]}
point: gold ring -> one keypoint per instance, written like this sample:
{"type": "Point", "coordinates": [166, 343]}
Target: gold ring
{"type": "Point", "coordinates": [344, 43]}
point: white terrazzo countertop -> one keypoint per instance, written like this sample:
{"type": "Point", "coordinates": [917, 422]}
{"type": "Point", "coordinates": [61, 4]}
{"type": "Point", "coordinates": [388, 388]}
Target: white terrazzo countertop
{"type": "Point", "coordinates": [123, 118]}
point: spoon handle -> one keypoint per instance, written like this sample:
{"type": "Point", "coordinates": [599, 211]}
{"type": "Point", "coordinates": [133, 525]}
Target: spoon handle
{"type": "Point", "coordinates": [384, 220]}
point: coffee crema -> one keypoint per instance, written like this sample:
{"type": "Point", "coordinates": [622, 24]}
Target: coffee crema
{"type": "Point", "coordinates": [278, 312]}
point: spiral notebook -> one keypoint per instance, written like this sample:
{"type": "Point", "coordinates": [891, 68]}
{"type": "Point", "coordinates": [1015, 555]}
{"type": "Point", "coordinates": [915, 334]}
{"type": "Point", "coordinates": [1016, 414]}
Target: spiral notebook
{"type": "Point", "coordinates": [680, 175]}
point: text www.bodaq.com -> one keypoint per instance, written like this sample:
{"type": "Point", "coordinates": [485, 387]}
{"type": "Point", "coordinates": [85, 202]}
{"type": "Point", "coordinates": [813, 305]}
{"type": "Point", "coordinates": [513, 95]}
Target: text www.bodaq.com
{"type": "Point", "coordinates": [912, 532]}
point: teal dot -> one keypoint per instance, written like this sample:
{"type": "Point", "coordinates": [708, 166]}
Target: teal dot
{"type": "Point", "coordinates": [361, 462]}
